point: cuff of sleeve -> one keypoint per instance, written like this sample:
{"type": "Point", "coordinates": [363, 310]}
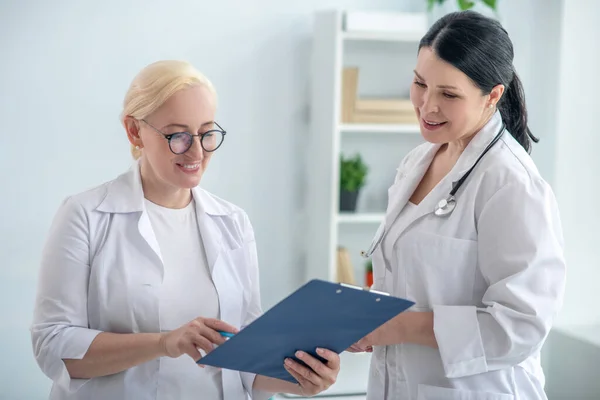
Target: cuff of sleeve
{"type": "Point", "coordinates": [456, 329]}
{"type": "Point", "coordinates": [248, 382]}
{"type": "Point", "coordinates": [71, 343]}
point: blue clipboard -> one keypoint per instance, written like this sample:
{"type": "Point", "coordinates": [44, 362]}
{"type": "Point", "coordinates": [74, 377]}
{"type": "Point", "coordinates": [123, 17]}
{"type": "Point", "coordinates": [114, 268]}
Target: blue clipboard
{"type": "Point", "coordinates": [319, 314]}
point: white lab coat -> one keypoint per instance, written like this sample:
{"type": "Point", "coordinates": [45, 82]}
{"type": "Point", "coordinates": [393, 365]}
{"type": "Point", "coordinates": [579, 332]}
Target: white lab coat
{"type": "Point", "coordinates": [492, 272]}
{"type": "Point", "coordinates": [102, 272]}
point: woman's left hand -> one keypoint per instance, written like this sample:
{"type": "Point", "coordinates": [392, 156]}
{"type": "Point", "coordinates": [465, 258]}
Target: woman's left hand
{"type": "Point", "coordinates": [406, 327]}
{"type": "Point", "coordinates": [392, 332]}
{"type": "Point", "coordinates": [320, 376]}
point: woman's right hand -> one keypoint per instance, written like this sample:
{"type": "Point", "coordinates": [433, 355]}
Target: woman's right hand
{"type": "Point", "coordinates": [201, 333]}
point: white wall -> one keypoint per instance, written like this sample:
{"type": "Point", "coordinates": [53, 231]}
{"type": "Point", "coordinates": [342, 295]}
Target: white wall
{"type": "Point", "coordinates": [65, 67]}
{"type": "Point", "coordinates": [577, 160]}
{"type": "Point", "coordinates": [534, 27]}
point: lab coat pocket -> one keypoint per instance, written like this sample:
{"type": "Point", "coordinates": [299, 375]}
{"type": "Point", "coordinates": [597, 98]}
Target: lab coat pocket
{"type": "Point", "coordinates": [439, 270]}
{"type": "Point", "coordinates": [427, 392]}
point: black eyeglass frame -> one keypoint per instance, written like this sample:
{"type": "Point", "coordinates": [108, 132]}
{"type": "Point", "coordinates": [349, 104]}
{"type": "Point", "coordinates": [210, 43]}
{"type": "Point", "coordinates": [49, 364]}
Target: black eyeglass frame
{"type": "Point", "coordinates": [169, 136]}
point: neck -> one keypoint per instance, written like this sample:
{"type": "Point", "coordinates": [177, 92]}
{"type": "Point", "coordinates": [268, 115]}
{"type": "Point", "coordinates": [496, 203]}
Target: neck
{"type": "Point", "coordinates": [455, 148]}
{"type": "Point", "coordinates": [160, 192]}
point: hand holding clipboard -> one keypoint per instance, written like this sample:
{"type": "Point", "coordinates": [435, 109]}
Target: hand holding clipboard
{"type": "Point", "coordinates": [318, 315]}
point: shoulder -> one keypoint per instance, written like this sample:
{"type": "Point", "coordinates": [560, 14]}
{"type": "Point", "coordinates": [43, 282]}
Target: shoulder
{"type": "Point", "coordinates": [510, 163]}
{"type": "Point", "coordinates": [89, 199]}
{"type": "Point", "coordinates": [82, 203]}
{"type": "Point", "coordinates": [510, 172]}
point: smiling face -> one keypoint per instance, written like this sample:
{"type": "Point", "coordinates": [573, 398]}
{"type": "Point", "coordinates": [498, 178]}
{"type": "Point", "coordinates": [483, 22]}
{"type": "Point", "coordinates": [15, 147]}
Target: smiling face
{"type": "Point", "coordinates": [449, 105]}
{"type": "Point", "coordinates": [189, 110]}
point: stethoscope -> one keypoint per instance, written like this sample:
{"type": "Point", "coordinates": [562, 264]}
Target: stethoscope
{"type": "Point", "coordinates": [445, 206]}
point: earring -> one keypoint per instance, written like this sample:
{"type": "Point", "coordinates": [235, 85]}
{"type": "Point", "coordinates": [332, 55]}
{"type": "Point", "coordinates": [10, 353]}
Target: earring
{"type": "Point", "coordinates": [491, 106]}
{"type": "Point", "coordinates": [137, 147]}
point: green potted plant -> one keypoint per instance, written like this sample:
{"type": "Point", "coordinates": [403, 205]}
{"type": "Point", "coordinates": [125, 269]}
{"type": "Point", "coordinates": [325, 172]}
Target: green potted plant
{"type": "Point", "coordinates": [463, 4]}
{"type": "Point", "coordinates": [353, 172]}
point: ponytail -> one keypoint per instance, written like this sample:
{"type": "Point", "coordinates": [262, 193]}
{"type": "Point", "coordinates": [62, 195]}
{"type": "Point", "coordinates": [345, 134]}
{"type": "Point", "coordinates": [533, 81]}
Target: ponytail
{"type": "Point", "coordinates": [480, 47]}
{"type": "Point", "coordinates": [514, 113]}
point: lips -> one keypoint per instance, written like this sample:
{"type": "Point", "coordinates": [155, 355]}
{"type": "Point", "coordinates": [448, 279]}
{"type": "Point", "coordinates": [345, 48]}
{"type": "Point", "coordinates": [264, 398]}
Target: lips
{"type": "Point", "coordinates": [189, 166]}
{"type": "Point", "coordinates": [433, 125]}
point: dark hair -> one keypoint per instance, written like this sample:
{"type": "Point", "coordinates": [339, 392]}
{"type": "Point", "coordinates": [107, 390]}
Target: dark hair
{"type": "Point", "coordinates": [480, 47]}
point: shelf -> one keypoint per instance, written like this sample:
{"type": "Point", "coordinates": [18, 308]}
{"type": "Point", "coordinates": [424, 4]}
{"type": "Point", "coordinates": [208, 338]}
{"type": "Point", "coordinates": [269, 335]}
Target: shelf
{"type": "Point", "coordinates": [381, 128]}
{"type": "Point", "coordinates": [360, 218]}
{"type": "Point", "coordinates": [406, 37]}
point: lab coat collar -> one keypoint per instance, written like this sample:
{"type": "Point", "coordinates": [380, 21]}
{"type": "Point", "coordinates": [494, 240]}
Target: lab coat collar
{"type": "Point", "coordinates": [400, 193]}
{"type": "Point", "coordinates": [477, 145]}
{"type": "Point", "coordinates": [125, 195]}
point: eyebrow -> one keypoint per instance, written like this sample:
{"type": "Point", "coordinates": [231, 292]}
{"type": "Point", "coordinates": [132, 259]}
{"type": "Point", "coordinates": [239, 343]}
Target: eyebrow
{"type": "Point", "coordinates": [440, 86]}
{"type": "Point", "coordinates": [184, 126]}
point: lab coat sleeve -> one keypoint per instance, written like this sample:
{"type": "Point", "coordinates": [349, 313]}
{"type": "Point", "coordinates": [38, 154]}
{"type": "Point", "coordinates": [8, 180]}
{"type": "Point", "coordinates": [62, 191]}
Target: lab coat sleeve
{"type": "Point", "coordinates": [520, 255]}
{"type": "Point", "coordinates": [254, 307]}
{"type": "Point", "coordinates": [60, 322]}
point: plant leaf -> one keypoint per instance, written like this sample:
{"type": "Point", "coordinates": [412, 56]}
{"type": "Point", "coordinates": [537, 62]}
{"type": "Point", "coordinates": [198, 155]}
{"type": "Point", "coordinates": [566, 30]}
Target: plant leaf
{"type": "Point", "coordinates": [490, 3]}
{"type": "Point", "coordinates": [465, 4]}
{"type": "Point", "coordinates": [430, 4]}
{"type": "Point", "coordinates": [352, 173]}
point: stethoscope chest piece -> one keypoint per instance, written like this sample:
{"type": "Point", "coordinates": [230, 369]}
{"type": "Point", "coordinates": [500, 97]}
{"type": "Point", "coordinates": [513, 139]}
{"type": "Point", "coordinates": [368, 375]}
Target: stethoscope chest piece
{"type": "Point", "coordinates": [445, 206]}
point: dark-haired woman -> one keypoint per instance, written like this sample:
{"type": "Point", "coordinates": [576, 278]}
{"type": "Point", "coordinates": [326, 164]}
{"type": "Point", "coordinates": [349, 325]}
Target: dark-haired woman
{"type": "Point", "coordinates": [485, 267]}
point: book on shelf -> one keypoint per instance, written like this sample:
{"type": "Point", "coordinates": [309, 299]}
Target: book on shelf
{"type": "Point", "coordinates": [384, 118]}
{"type": "Point", "coordinates": [392, 105]}
{"type": "Point", "coordinates": [349, 90]}
{"type": "Point", "coordinates": [345, 270]}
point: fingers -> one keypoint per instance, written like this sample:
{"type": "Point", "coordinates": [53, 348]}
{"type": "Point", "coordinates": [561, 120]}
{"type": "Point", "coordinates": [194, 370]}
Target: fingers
{"type": "Point", "coordinates": [304, 384]}
{"type": "Point", "coordinates": [332, 357]}
{"type": "Point", "coordinates": [218, 325]}
{"type": "Point", "coordinates": [305, 376]}
{"type": "Point", "coordinates": [316, 373]}
{"type": "Point", "coordinates": [207, 332]}
{"type": "Point", "coordinates": [363, 344]}
{"type": "Point", "coordinates": [193, 352]}
{"type": "Point", "coordinates": [354, 349]}
{"type": "Point", "coordinates": [199, 341]}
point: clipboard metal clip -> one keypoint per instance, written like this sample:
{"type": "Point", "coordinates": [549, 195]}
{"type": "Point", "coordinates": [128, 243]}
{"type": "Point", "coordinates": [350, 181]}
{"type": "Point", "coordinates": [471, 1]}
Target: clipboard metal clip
{"type": "Point", "coordinates": [367, 290]}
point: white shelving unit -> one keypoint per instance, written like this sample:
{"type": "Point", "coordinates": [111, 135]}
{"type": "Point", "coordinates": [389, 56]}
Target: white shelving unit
{"type": "Point", "coordinates": [382, 37]}
{"type": "Point", "coordinates": [381, 145]}
{"type": "Point", "coordinates": [360, 218]}
{"type": "Point", "coordinates": [409, 129]}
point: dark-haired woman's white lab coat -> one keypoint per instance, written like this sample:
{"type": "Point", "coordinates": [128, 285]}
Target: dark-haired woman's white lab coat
{"type": "Point", "coordinates": [492, 272]}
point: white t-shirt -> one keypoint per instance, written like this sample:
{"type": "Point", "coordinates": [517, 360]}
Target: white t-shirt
{"type": "Point", "coordinates": [187, 293]}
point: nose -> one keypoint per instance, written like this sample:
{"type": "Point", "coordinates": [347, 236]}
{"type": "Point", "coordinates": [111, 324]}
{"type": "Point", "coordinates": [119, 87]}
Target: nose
{"type": "Point", "coordinates": [196, 150]}
{"type": "Point", "coordinates": [429, 104]}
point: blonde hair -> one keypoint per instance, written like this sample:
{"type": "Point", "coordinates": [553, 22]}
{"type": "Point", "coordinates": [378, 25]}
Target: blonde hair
{"type": "Point", "coordinates": [154, 84]}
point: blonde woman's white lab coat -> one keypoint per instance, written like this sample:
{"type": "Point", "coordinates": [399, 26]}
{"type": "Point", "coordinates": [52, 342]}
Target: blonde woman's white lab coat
{"type": "Point", "coordinates": [492, 272]}
{"type": "Point", "coordinates": [102, 272]}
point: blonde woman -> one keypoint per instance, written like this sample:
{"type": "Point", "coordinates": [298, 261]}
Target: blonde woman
{"type": "Point", "coordinates": [141, 273]}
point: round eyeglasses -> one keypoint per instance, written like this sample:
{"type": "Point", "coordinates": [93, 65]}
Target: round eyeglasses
{"type": "Point", "coordinates": [180, 142]}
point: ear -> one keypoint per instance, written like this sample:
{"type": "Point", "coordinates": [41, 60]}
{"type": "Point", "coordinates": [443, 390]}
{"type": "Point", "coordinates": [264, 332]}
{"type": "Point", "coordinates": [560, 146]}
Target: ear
{"type": "Point", "coordinates": [495, 96]}
{"type": "Point", "coordinates": [132, 126]}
